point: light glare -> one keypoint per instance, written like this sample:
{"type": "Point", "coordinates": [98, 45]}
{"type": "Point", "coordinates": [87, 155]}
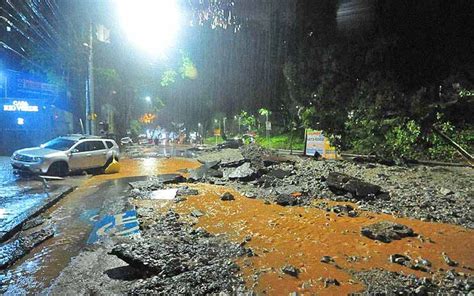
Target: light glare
{"type": "Point", "coordinates": [151, 25]}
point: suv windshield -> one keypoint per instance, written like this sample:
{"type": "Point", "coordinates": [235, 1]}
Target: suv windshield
{"type": "Point", "coordinates": [59, 144]}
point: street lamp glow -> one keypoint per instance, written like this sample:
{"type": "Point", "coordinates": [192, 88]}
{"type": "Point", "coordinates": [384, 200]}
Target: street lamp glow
{"type": "Point", "coordinates": [151, 25]}
{"type": "Point", "coordinates": [148, 99]}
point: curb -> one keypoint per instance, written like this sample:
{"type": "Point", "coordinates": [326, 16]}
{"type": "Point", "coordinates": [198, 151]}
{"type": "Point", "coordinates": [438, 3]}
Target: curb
{"type": "Point", "coordinates": [54, 196]}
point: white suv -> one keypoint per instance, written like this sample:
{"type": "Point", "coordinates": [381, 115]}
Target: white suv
{"type": "Point", "coordinates": [62, 155]}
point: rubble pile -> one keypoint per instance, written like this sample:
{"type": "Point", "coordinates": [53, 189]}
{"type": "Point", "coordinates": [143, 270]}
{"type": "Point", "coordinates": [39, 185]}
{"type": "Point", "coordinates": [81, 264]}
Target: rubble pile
{"type": "Point", "coordinates": [16, 249]}
{"type": "Point", "coordinates": [384, 282]}
{"type": "Point", "coordinates": [178, 259]}
{"type": "Point", "coordinates": [420, 192]}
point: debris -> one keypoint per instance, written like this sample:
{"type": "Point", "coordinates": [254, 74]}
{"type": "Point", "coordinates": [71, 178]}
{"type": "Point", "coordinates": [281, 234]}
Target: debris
{"type": "Point", "coordinates": [176, 257]}
{"type": "Point", "coordinates": [12, 251]}
{"type": "Point", "coordinates": [185, 190]}
{"type": "Point", "coordinates": [243, 173]}
{"type": "Point", "coordinates": [446, 191]}
{"type": "Point", "coordinates": [341, 183]}
{"type": "Point", "coordinates": [326, 259]}
{"type": "Point", "coordinates": [36, 221]}
{"type": "Point", "coordinates": [279, 173]}
{"type": "Point", "coordinates": [448, 260]}
{"type": "Point", "coordinates": [400, 259]}
{"type": "Point", "coordinates": [196, 213]}
{"type": "Point", "coordinates": [386, 231]}
{"type": "Point", "coordinates": [164, 194]}
{"type": "Point", "coordinates": [227, 196]}
{"type": "Point", "coordinates": [286, 200]}
{"type": "Point", "coordinates": [290, 270]}
{"type": "Point", "coordinates": [331, 282]}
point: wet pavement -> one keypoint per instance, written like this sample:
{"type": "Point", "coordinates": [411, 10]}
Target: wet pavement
{"type": "Point", "coordinates": [20, 196]}
{"type": "Point", "coordinates": [73, 218]}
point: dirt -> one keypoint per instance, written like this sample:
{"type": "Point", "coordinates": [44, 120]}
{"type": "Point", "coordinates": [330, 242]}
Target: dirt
{"type": "Point", "coordinates": [302, 236]}
{"type": "Point", "coordinates": [280, 236]}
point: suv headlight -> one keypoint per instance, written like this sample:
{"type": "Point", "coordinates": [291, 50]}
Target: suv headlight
{"type": "Point", "coordinates": [37, 159]}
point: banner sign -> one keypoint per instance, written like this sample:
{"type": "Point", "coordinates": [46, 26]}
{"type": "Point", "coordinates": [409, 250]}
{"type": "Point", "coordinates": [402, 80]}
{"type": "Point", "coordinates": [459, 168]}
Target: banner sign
{"type": "Point", "coordinates": [268, 126]}
{"type": "Point", "coordinates": [27, 86]}
{"type": "Point", "coordinates": [22, 106]}
{"type": "Point", "coordinates": [317, 142]}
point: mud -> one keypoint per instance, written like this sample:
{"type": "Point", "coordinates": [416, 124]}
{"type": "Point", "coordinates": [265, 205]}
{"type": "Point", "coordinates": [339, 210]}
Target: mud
{"type": "Point", "coordinates": [301, 236]}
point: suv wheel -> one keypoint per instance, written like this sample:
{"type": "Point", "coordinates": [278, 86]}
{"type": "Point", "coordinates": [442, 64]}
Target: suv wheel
{"type": "Point", "coordinates": [59, 169]}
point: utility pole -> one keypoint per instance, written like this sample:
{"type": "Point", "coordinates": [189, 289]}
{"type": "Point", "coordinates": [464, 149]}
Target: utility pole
{"type": "Point", "coordinates": [90, 123]}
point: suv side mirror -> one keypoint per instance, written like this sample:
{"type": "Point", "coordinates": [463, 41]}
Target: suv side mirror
{"type": "Point", "coordinates": [74, 150]}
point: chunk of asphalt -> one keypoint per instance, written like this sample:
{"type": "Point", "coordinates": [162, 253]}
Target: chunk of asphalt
{"type": "Point", "coordinates": [386, 231]}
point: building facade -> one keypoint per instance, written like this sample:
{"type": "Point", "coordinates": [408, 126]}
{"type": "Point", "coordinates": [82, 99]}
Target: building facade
{"type": "Point", "coordinates": [32, 111]}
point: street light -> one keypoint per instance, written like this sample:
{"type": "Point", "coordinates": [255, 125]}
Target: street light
{"type": "Point", "coordinates": [151, 25]}
{"type": "Point", "coordinates": [148, 99]}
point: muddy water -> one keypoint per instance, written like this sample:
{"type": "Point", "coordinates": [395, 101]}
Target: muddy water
{"type": "Point", "coordinates": [73, 218]}
{"type": "Point", "coordinates": [301, 236]}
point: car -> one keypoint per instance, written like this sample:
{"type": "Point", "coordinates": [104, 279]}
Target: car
{"type": "Point", "coordinates": [142, 139]}
{"type": "Point", "coordinates": [126, 141]}
{"type": "Point", "coordinates": [65, 154]}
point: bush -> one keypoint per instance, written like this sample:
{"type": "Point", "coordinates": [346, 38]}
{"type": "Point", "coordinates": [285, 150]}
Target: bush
{"type": "Point", "coordinates": [401, 140]}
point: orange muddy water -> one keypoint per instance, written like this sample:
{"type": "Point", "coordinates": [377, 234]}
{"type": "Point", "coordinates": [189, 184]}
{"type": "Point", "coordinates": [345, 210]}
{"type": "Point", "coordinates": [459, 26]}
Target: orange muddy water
{"type": "Point", "coordinates": [301, 236]}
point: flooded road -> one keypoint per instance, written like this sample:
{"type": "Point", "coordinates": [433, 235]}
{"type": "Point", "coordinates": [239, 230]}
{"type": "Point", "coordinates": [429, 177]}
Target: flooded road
{"type": "Point", "coordinates": [73, 219]}
{"type": "Point", "coordinates": [301, 236]}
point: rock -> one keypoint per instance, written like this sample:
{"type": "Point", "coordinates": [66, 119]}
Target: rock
{"type": "Point", "coordinates": [227, 196]}
{"type": "Point", "coordinates": [243, 173]}
{"type": "Point", "coordinates": [448, 260]}
{"type": "Point", "coordinates": [198, 174]}
{"type": "Point", "coordinates": [288, 189]}
{"type": "Point", "coordinates": [331, 282]}
{"type": "Point", "coordinates": [227, 157]}
{"type": "Point", "coordinates": [232, 144]}
{"type": "Point", "coordinates": [326, 259]}
{"type": "Point", "coordinates": [445, 191]}
{"type": "Point", "coordinates": [386, 231]}
{"type": "Point", "coordinates": [342, 209]}
{"type": "Point", "coordinates": [204, 172]}
{"type": "Point", "coordinates": [36, 221]}
{"type": "Point", "coordinates": [279, 173]}
{"type": "Point", "coordinates": [266, 181]}
{"type": "Point", "coordinates": [250, 195]}
{"type": "Point", "coordinates": [286, 200]}
{"type": "Point", "coordinates": [148, 185]}
{"type": "Point", "coordinates": [400, 259]}
{"type": "Point", "coordinates": [421, 290]}
{"type": "Point", "coordinates": [185, 190]}
{"type": "Point", "coordinates": [196, 213]}
{"type": "Point", "coordinates": [340, 183]}
{"type": "Point", "coordinates": [290, 270]}
{"type": "Point", "coordinates": [213, 164]}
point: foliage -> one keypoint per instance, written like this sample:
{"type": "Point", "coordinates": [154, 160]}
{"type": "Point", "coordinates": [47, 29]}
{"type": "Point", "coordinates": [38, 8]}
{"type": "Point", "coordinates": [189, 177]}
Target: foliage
{"type": "Point", "coordinates": [264, 112]}
{"type": "Point", "coordinates": [212, 140]}
{"type": "Point", "coordinates": [187, 69]}
{"type": "Point", "coordinates": [401, 139]}
{"type": "Point", "coordinates": [168, 77]}
{"type": "Point", "coordinates": [282, 141]}
{"type": "Point", "coordinates": [248, 120]}
{"type": "Point", "coordinates": [136, 127]}
{"type": "Point", "coordinates": [439, 149]}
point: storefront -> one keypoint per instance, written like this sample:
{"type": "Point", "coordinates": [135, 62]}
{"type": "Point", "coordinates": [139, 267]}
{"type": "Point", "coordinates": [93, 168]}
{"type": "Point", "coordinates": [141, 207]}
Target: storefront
{"type": "Point", "coordinates": [28, 115]}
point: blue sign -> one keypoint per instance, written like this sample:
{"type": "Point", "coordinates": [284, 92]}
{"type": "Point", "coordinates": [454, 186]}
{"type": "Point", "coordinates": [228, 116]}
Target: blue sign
{"type": "Point", "coordinates": [124, 224]}
{"type": "Point", "coordinates": [28, 86]}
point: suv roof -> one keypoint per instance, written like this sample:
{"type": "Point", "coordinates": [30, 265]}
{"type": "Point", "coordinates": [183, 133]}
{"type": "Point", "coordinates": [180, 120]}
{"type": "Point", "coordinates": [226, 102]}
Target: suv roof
{"type": "Point", "coordinates": [78, 137]}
